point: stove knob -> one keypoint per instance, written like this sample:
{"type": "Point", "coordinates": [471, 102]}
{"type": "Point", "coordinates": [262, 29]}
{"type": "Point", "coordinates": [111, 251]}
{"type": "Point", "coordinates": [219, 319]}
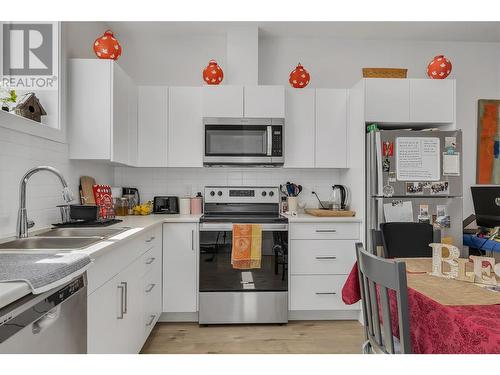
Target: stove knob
{"type": "Point", "coordinates": [271, 193]}
{"type": "Point", "coordinates": [264, 193]}
{"type": "Point", "coordinates": [219, 193]}
{"type": "Point", "coordinates": [212, 193]}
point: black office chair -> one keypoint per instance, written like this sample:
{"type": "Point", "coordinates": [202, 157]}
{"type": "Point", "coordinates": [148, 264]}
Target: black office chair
{"type": "Point", "coordinates": [408, 240]}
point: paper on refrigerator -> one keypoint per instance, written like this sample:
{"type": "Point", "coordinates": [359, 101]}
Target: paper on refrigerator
{"type": "Point", "coordinates": [417, 158]}
{"type": "Point", "coordinates": [451, 164]}
{"type": "Point", "coordinates": [398, 211]}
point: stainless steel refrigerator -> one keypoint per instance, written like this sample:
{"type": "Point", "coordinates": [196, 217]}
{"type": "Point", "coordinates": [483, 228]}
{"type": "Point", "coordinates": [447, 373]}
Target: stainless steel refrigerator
{"type": "Point", "coordinates": [415, 176]}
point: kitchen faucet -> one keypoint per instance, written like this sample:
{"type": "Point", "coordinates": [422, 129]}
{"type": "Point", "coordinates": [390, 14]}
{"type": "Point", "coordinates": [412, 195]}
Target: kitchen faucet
{"type": "Point", "coordinates": [23, 224]}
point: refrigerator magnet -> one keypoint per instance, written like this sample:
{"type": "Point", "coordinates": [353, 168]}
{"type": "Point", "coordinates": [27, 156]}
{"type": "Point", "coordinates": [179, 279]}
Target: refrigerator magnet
{"type": "Point", "coordinates": [388, 191]}
{"type": "Point", "coordinates": [424, 210]}
{"type": "Point", "coordinates": [388, 148]}
{"type": "Point", "coordinates": [386, 165]}
{"type": "Point", "coordinates": [392, 177]}
{"type": "Point", "coordinates": [423, 214]}
{"type": "Point", "coordinates": [440, 188]}
{"type": "Point", "coordinates": [450, 145]}
{"type": "Point", "coordinates": [414, 188]}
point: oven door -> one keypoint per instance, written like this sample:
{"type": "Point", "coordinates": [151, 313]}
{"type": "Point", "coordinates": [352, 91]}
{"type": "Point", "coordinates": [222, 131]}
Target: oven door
{"type": "Point", "coordinates": [218, 275]}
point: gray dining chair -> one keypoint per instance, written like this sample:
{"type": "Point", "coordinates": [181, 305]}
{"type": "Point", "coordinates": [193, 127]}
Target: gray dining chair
{"type": "Point", "coordinates": [383, 274]}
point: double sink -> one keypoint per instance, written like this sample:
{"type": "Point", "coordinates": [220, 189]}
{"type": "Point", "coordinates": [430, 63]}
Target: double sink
{"type": "Point", "coordinates": [63, 238]}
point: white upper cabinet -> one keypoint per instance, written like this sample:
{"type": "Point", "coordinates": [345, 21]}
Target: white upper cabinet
{"type": "Point", "coordinates": [386, 100]}
{"type": "Point", "coordinates": [409, 100]}
{"type": "Point", "coordinates": [223, 101]}
{"type": "Point", "coordinates": [432, 100]}
{"type": "Point", "coordinates": [264, 101]}
{"type": "Point", "coordinates": [152, 126]}
{"type": "Point", "coordinates": [331, 128]}
{"type": "Point", "coordinates": [101, 110]}
{"type": "Point", "coordinates": [185, 129]}
{"type": "Point", "coordinates": [120, 116]}
{"type": "Point", "coordinates": [299, 128]}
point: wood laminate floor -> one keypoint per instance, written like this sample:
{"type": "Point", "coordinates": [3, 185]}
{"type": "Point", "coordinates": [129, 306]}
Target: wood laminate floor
{"type": "Point", "coordinates": [297, 337]}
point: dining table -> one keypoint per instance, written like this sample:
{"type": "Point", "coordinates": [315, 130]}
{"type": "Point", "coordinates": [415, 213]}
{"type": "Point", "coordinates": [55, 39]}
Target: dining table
{"type": "Point", "coordinates": [447, 316]}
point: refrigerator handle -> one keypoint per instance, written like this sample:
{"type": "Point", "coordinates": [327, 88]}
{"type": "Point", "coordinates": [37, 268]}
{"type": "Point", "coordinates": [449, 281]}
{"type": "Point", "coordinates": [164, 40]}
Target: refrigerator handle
{"type": "Point", "coordinates": [376, 165]}
{"type": "Point", "coordinates": [380, 213]}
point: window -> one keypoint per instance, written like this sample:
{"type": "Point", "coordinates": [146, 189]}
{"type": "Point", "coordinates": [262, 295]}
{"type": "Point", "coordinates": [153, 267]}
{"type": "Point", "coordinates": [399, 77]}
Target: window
{"type": "Point", "coordinates": [30, 78]}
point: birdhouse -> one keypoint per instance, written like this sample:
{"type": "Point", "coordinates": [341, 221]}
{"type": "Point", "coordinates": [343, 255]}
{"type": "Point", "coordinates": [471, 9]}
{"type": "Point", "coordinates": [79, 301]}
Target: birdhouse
{"type": "Point", "coordinates": [29, 106]}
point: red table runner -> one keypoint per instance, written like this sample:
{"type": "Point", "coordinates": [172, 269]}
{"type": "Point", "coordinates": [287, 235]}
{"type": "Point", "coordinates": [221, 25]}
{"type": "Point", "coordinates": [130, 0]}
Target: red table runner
{"type": "Point", "coordinates": [440, 329]}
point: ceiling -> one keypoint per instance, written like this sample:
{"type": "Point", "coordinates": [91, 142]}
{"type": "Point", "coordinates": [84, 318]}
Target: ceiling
{"type": "Point", "coordinates": [414, 31]}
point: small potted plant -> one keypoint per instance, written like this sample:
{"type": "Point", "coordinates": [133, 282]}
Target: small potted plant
{"type": "Point", "coordinates": [8, 96]}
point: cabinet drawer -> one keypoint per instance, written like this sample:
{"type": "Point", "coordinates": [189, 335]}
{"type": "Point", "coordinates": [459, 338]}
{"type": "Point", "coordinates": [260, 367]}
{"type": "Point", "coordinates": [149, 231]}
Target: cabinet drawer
{"type": "Point", "coordinates": [150, 238]}
{"type": "Point", "coordinates": [150, 259]}
{"type": "Point", "coordinates": [115, 260]}
{"type": "Point", "coordinates": [320, 292]}
{"type": "Point", "coordinates": [152, 298]}
{"type": "Point", "coordinates": [321, 256]}
{"type": "Point", "coordinates": [324, 231]}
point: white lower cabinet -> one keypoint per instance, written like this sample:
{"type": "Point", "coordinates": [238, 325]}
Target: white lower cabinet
{"type": "Point", "coordinates": [151, 299]}
{"type": "Point", "coordinates": [123, 308]}
{"type": "Point", "coordinates": [318, 292]}
{"type": "Point", "coordinates": [113, 313]}
{"type": "Point", "coordinates": [180, 267]}
{"type": "Point", "coordinates": [321, 256]}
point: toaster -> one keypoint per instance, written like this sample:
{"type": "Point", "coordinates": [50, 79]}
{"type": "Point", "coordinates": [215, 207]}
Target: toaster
{"type": "Point", "coordinates": [166, 205]}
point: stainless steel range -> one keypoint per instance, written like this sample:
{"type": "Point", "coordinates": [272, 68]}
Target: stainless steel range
{"type": "Point", "coordinates": [228, 295]}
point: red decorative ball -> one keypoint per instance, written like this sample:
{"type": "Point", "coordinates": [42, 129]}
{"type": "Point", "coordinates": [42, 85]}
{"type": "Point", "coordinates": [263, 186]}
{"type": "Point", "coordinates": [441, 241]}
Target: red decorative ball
{"type": "Point", "coordinates": [107, 47]}
{"type": "Point", "coordinates": [299, 77]}
{"type": "Point", "coordinates": [439, 68]}
{"type": "Point", "coordinates": [213, 74]}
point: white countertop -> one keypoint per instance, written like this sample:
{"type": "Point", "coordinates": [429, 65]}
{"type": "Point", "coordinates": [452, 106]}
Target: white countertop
{"type": "Point", "coordinates": [10, 292]}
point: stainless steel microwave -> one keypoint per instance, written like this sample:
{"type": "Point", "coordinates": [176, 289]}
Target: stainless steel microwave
{"type": "Point", "coordinates": [243, 141]}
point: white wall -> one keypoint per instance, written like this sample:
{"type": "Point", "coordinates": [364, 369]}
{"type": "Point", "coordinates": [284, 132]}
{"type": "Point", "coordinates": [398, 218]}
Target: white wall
{"type": "Point", "coordinates": [176, 61]}
{"type": "Point", "coordinates": [20, 152]}
{"type": "Point", "coordinates": [337, 63]}
{"type": "Point", "coordinates": [188, 181]}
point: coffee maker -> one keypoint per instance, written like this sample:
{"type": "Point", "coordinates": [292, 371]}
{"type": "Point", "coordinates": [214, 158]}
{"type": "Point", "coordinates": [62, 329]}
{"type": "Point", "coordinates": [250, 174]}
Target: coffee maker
{"type": "Point", "coordinates": [132, 194]}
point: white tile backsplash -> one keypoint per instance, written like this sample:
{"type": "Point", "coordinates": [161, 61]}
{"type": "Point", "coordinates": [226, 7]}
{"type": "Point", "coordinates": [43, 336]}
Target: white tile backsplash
{"type": "Point", "coordinates": [188, 181]}
{"type": "Point", "coordinates": [20, 152]}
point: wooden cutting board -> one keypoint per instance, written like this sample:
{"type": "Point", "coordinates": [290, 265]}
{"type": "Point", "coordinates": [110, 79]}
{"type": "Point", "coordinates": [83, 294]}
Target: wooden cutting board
{"type": "Point", "coordinates": [329, 213]}
{"type": "Point", "coordinates": [86, 190]}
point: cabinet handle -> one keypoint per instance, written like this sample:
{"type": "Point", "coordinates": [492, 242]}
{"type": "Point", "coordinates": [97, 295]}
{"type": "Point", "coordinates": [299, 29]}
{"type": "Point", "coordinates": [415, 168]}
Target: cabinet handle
{"type": "Point", "coordinates": [192, 240]}
{"type": "Point", "coordinates": [150, 260]}
{"type": "Point", "coordinates": [150, 288]}
{"type": "Point", "coordinates": [152, 319]}
{"type": "Point", "coordinates": [325, 293]}
{"type": "Point", "coordinates": [326, 257]}
{"type": "Point", "coordinates": [122, 289]}
{"type": "Point", "coordinates": [125, 300]}
{"type": "Point", "coordinates": [326, 230]}
{"type": "Point", "coordinates": [151, 239]}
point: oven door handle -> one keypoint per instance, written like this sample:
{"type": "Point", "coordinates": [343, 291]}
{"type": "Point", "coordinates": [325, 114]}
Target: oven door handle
{"type": "Point", "coordinates": [228, 227]}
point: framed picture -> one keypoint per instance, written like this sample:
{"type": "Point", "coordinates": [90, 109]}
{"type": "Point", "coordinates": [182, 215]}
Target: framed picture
{"type": "Point", "coordinates": [488, 142]}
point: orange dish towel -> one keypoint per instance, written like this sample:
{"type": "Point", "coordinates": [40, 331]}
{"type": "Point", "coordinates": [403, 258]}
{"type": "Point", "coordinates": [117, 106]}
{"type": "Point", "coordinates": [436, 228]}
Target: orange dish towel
{"type": "Point", "coordinates": [247, 246]}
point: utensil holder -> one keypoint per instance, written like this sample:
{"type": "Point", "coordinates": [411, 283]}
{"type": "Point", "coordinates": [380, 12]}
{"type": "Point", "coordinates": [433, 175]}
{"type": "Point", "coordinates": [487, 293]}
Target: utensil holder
{"type": "Point", "coordinates": [292, 204]}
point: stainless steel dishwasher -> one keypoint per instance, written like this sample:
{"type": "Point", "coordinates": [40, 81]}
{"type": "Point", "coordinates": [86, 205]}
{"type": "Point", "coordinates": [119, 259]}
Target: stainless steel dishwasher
{"type": "Point", "coordinates": [52, 322]}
